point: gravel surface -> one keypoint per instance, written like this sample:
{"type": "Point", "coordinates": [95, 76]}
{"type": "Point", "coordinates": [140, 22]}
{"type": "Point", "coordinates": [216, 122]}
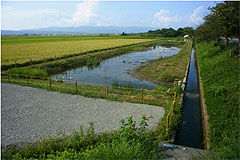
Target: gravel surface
{"type": "Point", "coordinates": [29, 114]}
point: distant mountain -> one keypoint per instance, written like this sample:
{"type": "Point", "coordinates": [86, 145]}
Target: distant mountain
{"type": "Point", "coordinates": [79, 30]}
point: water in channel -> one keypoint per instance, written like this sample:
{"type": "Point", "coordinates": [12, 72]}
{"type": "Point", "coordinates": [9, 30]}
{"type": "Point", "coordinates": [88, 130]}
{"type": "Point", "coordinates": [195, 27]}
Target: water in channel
{"type": "Point", "coordinates": [190, 131]}
{"type": "Point", "coordinates": [117, 69]}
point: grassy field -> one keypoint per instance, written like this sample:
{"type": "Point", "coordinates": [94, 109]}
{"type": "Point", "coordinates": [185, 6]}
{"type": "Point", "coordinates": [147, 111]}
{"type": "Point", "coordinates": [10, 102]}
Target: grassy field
{"type": "Point", "coordinates": [220, 76]}
{"type": "Point", "coordinates": [166, 69]}
{"type": "Point", "coordinates": [15, 52]}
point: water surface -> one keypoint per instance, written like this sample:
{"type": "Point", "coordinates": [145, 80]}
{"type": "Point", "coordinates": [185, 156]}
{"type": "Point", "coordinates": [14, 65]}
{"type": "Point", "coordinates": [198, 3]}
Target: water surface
{"type": "Point", "coordinates": [117, 68]}
{"type": "Point", "coordinates": [190, 132]}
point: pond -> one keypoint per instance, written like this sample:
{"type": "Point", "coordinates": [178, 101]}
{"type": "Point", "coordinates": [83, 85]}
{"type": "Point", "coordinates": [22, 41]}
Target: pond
{"type": "Point", "coordinates": [117, 69]}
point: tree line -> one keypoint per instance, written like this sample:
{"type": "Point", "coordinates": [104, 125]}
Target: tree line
{"type": "Point", "coordinates": [222, 22]}
{"type": "Point", "coordinates": [170, 32]}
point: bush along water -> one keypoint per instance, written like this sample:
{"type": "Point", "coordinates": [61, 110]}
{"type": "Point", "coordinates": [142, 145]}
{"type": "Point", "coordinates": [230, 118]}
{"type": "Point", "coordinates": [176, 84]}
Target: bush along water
{"type": "Point", "coordinates": [116, 84]}
{"type": "Point", "coordinates": [128, 142]}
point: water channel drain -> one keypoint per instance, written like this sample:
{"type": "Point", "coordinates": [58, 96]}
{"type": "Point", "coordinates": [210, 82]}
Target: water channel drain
{"type": "Point", "coordinates": [190, 131]}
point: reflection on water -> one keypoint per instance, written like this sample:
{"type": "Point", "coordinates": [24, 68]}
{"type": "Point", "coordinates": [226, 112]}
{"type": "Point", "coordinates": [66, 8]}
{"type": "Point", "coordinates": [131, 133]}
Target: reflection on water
{"type": "Point", "coordinates": [117, 68]}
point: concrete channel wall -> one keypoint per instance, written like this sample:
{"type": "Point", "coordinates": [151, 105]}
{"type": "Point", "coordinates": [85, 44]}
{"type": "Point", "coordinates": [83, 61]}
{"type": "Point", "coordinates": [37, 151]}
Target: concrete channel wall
{"type": "Point", "coordinates": [205, 118]}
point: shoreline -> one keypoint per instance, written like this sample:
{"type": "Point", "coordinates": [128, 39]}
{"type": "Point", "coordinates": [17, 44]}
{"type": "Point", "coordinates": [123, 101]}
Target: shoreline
{"type": "Point", "coordinates": [134, 72]}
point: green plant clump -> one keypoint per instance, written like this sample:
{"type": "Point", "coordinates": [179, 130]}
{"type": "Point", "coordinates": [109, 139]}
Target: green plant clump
{"type": "Point", "coordinates": [128, 142]}
{"type": "Point", "coordinates": [220, 76]}
{"type": "Point", "coordinates": [29, 72]}
{"type": "Point", "coordinates": [116, 84]}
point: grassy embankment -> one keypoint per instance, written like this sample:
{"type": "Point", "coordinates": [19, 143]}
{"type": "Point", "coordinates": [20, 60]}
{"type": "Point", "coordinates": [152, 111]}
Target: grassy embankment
{"type": "Point", "coordinates": [167, 69]}
{"type": "Point", "coordinates": [220, 76]}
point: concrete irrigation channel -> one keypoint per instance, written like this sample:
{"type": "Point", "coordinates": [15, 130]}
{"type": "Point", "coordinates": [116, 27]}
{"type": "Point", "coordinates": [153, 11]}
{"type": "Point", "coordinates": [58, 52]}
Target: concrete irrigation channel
{"type": "Point", "coordinates": [30, 114]}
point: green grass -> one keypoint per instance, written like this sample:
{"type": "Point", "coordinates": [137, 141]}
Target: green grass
{"type": "Point", "coordinates": [167, 69]}
{"type": "Point", "coordinates": [220, 76]}
{"type": "Point", "coordinates": [29, 72]}
{"type": "Point", "coordinates": [128, 142]}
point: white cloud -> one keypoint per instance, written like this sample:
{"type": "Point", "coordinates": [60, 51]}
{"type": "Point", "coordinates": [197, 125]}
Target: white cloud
{"type": "Point", "coordinates": [197, 15]}
{"type": "Point", "coordinates": [162, 18]}
{"type": "Point", "coordinates": [85, 11]}
{"type": "Point", "coordinates": [15, 19]}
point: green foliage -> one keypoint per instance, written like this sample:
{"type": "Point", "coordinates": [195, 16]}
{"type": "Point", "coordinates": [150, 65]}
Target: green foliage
{"type": "Point", "coordinates": [29, 72]}
{"type": "Point", "coordinates": [128, 142]}
{"type": "Point", "coordinates": [220, 76]}
{"type": "Point", "coordinates": [222, 21]}
{"type": "Point", "coordinates": [93, 62]}
{"type": "Point", "coordinates": [116, 84]}
{"type": "Point", "coordinates": [170, 32]}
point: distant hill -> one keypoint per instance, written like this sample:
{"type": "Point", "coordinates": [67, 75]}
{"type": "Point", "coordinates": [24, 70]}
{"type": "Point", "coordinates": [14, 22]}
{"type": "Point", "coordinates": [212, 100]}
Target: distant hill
{"type": "Point", "coordinates": [79, 30]}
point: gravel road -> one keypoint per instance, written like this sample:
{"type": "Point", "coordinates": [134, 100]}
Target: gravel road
{"type": "Point", "coordinates": [29, 114]}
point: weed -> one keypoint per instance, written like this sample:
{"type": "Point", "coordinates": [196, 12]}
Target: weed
{"type": "Point", "coordinates": [128, 142]}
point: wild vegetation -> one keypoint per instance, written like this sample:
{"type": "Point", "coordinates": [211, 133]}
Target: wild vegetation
{"type": "Point", "coordinates": [220, 77]}
{"type": "Point", "coordinates": [222, 21]}
{"type": "Point", "coordinates": [128, 142]}
{"type": "Point", "coordinates": [167, 69]}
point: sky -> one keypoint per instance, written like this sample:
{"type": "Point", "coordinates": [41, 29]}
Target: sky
{"type": "Point", "coordinates": [18, 15]}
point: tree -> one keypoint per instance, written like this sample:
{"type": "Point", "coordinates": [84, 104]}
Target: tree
{"type": "Point", "coordinates": [223, 21]}
{"type": "Point", "coordinates": [170, 33]}
{"type": "Point", "coordinates": [123, 34]}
